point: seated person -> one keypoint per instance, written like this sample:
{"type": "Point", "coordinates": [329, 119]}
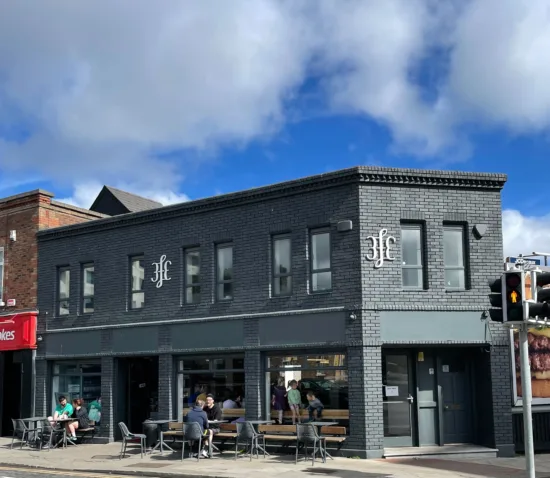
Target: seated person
{"type": "Point", "coordinates": [82, 421]}
{"type": "Point", "coordinates": [198, 415]}
{"type": "Point", "coordinates": [213, 412]}
{"type": "Point", "coordinates": [62, 410]}
{"type": "Point", "coordinates": [232, 401]}
{"type": "Point", "coordinates": [315, 405]}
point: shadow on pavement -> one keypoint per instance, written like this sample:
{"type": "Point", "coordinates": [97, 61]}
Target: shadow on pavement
{"type": "Point", "coordinates": [489, 471]}
{"type": "Point", "coordinates": [343, 473]}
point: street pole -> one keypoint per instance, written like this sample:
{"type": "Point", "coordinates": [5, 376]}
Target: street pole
{"type": "Point", "coordinates": [526, 398]}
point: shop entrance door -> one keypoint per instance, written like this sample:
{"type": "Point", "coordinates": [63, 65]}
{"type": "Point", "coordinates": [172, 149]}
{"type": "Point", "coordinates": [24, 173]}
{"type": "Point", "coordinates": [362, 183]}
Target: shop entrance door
{"type": "Point", "coordinates": [139, 378]}
{"type": "Point", "coordinates": [457, 407]}
{"type": "Point", "coordinates": [398, 402]}
{"type": "Point", "coordinates": [10, 392]}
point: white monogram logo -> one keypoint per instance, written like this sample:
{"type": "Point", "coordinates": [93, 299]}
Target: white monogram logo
{"type": "Point", "coordinates": [161, 271]}
{"type": "Point", "coordinates": [381, 248]}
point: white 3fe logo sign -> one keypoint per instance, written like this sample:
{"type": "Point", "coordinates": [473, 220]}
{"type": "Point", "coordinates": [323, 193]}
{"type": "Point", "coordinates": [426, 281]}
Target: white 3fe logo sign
{"type": "Point", "coordinates": [161, 271]}
{"type": "Point", "coordinates": [380, 250]}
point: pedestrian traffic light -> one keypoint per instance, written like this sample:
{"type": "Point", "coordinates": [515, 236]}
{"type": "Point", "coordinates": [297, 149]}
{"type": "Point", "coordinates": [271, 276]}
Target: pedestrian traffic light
{"type": "Point", "coordinates": [541, 307]}
{"type": "Point", "coordinates": [496, 311]}
{"type": "Point", "coordinates": [513, 290]}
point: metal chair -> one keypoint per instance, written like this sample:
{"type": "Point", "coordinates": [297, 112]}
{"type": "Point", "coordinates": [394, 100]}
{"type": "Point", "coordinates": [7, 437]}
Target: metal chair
{"type": "Point", "coordinates": [19, 428]}
{"type": "Point", "coordinates": [192, 432]}
{"type": "Point", "coordinates": [246, 434]}
{"type": "Point", "coordinates": [131, 437]}
{"type": "Point", "coordinates": [49, 432]}
{"type": "Point", "coordinates": [307, 434]}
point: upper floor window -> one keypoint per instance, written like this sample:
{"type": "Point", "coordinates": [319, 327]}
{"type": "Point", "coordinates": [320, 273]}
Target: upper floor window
{"type": "Point", "coordinates": [321, 274]}
{"type": "Point", "coordinates": [454, 257]}
{"type": "Point", "coordinates": [192, 276]}
{"type": "Point", "coordinates": [1, 274]}
{"type": "Point", "coordinates": [87, 288]}
{"type": "Point", "coordinates": [224, 272]}
{"type": "Point", "coordinates": [137, 271]}
{"type": "Point", "coordinates": [411, 254]}
{"type": "Point", "coordinates": [63, 290]}
{"type": "Point", "coordinates": [282, 265]}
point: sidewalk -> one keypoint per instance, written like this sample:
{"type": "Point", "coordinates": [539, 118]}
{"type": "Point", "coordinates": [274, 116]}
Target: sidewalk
{"type": "Point", "coordinates": [104, 459]}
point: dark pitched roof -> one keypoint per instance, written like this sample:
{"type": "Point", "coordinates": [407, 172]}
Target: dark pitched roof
{"type": "Point", "coordinates": [114, 201]}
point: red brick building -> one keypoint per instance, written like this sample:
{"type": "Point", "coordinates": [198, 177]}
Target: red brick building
{"type": "Point", "coordinates": [21, 216]}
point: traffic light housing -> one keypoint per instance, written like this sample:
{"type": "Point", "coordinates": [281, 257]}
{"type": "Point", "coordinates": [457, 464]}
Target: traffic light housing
{"type": "Point", "coordinates": [506, 297]}
{"type": "Point", "coordinates": [496, 311]}
{"type": "Point", "coordinates": [513, 290]}
{"type": "Point", "coordinates": [541, 307]}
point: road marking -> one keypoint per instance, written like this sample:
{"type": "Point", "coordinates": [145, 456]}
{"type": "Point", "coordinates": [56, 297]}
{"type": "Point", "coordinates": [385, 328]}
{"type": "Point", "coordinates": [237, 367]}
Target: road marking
{"type": "Point", "coordinates": [42, 471]}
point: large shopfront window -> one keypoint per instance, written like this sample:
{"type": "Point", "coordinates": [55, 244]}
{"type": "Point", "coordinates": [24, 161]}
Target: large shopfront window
{"type": "Point", "coordinates": [76, 380]}
{"type": "Point", "coordinates": [324, 374]}
{"type": "Point", "coordinates": [222, 376]}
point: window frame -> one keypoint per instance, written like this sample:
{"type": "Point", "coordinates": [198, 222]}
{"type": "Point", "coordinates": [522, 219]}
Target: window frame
{"type": "Point", "coordinates": [465, 255]}
{"type": "Point", "coordinates": [83, 295]}
{"type": "Point", "coordinates": [131, 290]}
{"type": "Point", "coordinates": [422, 267]}
{"type": "Point", "coordinates": [315, 232]}
{"type": "Point", "coordinates": [274, 273]}
{"type": "Point", "coordinates": [218, 248]}
{"type": "Point", "coordinates": [186, 285]}
{"type": "Point", "coordinates": [60, 270]}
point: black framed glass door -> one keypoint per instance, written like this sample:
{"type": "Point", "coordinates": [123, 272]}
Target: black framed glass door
{"type": "Point", "coordinates": [398, 399]}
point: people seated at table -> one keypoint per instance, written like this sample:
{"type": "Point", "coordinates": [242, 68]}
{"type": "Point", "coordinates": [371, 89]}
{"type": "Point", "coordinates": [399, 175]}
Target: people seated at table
{"type": "Point", "coordinates": [198, 415]}
{"type": "Point", "coordinates": [232, 400]}
{"type": "Point", "coordinates": [80, 414]}
{"type": "Point", "coordinates": [62, 410]}
{"type": "Point", "coordinates": [214, 413]}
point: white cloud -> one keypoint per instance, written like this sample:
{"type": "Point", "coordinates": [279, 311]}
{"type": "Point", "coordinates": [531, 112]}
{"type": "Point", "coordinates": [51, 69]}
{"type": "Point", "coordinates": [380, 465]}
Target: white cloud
{"type": "Point", "coordinates": [524, 234]}
{"type": "Point", "coordinates": [104, 86]}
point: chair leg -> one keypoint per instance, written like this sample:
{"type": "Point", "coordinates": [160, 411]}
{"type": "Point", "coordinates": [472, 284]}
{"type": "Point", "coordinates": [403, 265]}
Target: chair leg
{"type": "Point", "coordinates": [199, 449]}
{"type": "Point", "coordinates": [182, 448]}
{"type": "Point", "coordinates": [236, 447]}
{"type": "Point", "coordinates": [297, 446]}
{"type": "Point", "coordinates": [23, 439]}
{"type": "Point", "coordinates": [121, 449]}
{"type": "Point", "coordinates": [313, 454]}
{"type": "Point", "coordinates": [141, 446]}
{"type": "Point", "coordinates": [263, 444]}
{"type": "Point", "coordinates": [12, 438]}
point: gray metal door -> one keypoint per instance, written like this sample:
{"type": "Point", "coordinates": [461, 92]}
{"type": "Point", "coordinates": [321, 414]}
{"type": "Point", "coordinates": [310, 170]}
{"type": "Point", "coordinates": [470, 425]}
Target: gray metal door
{"type": "Point", "coordinates": [454, 378]}
{"type": "Point", "coordinates": [398, 399]}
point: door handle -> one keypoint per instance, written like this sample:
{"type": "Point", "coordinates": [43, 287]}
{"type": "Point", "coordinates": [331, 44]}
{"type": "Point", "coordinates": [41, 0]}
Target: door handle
{"type": "Point", "coordinates": [410, 398]}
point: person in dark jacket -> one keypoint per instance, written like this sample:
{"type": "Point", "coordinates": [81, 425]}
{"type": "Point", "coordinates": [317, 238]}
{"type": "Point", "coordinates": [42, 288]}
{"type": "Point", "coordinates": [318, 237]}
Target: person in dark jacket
{"type": "Point", "coordinates": [81, 419]}
{"type": "Point", "coordinates": [213, 412]}
{"type": "Point", "coordinates": [198, 415]}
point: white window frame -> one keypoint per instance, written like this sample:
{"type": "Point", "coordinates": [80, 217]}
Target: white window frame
{"type": "Point", "coordinates": [461, 228]}
{"type": "Point", "coordinates": [420, 267]}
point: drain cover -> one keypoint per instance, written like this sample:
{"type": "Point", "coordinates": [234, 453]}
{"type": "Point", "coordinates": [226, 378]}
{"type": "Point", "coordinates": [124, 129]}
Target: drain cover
{"type": "Point", "coordinates": [148, 465]}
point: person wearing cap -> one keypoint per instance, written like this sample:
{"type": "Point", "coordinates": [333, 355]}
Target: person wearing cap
{"type": "Point", "coordinates": [214, 413]}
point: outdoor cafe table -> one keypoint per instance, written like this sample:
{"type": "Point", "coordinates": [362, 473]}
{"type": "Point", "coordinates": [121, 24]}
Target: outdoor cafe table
{"type": "Point", "coordinates": [320, 425]}
{"type": "Point", "coordinates": [64, 440]}
{"type": "Point", "coordinates": [34, 428]}
{"type": "Point", "coordinates": [160, 444]}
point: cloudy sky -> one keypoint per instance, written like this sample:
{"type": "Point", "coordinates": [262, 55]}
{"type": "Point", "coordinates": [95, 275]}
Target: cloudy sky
{"type": "Point", "coordinates": [186, 99]}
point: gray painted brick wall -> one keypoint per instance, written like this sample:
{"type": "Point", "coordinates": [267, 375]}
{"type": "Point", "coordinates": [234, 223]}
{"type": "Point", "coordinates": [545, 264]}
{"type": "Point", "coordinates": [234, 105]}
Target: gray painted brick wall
{"type": "Point", "coordinates": [372, 198]}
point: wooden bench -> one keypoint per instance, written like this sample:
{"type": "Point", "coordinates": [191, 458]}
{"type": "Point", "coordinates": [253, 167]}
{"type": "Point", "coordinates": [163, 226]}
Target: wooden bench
{"type": "Point", "coordinates": [227, 413]}
{"type": "Point", "coordinates": [82, 433]}
{"type": "Point", "coordinates": [175, 429]}
{"type": "Point", "coordinates": [328, 414]}
{"type": "Point", "coordinates": [288, 433]}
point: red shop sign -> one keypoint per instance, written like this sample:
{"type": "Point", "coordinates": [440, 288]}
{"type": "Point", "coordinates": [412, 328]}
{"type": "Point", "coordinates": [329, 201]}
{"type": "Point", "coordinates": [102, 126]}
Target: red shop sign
{"type": "Point", "coordinates": [18, 331]}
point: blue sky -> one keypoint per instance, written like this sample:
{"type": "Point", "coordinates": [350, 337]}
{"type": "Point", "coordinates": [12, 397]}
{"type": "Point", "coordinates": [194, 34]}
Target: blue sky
{"type": "Point", "coordinates": [182, 100]}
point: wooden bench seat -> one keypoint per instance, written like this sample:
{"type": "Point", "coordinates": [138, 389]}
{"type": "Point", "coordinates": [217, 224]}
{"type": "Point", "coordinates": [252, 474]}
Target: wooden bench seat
{"type": "Point", "coordinates": [82, 433]}
{"type": "Point", "coordinates": [328, 413]}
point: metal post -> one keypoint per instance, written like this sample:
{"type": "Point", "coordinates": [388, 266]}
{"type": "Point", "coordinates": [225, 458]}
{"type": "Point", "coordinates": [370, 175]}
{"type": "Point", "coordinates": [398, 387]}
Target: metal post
{"type": "Point", "coordinates": [526, 399]}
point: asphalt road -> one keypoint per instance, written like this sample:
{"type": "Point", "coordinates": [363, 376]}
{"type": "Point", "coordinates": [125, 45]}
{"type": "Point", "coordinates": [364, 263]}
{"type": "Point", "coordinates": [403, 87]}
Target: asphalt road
{"type": "Point", "coordinates": [15, 472]}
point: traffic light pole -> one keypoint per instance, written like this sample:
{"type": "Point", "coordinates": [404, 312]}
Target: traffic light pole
{"type": "Point", "coordinates": [526, 399]}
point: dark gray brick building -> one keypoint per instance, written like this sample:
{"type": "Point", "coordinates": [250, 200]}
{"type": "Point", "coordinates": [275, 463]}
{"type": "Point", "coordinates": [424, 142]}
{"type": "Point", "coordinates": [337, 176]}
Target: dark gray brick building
{"type": "Point", "coordinates": [366, 285]}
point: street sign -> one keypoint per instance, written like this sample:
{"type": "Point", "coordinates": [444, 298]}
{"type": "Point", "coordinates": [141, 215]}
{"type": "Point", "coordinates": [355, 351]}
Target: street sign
{"type": "Point", "coordinates": [530, 260]}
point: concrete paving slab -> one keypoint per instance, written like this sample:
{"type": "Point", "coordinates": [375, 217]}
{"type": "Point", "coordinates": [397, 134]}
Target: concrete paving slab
{"type": "Point", "coordinates": [105, 459]}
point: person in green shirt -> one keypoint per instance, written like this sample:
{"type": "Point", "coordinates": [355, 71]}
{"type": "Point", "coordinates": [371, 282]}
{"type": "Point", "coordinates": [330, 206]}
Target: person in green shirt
{"type": "Point", "coordinates": [294, 401]}
{"type": "Point", "coordinates": [62, 410]}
